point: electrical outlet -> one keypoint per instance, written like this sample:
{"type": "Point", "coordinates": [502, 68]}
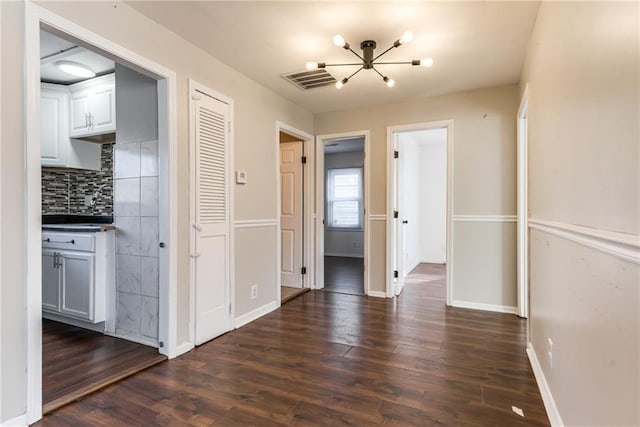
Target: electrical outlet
{"type": "Point", "coordinates": [254, 291]}
{"type": "Point", "coordinates": [550, 352]}
{"type": "Point", "coordinates": [356, 244]}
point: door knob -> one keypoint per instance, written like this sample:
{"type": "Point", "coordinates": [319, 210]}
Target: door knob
{"type": "Point", "coordinates": [404, 221]}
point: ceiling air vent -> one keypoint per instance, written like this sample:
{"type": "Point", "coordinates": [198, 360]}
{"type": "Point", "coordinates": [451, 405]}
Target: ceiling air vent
{"type": "Point", "coordinates": [310, 79]}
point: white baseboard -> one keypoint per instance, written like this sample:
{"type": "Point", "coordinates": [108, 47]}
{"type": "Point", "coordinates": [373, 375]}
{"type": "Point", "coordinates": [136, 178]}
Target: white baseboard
{"type": "Point", "coordinates": [343, 255]}
{"type": "Point", "coordinates": [19, 421]}
{"type": "Point", "coordinates": [183, 348]}
{"type": "Point", "coordinates": [545, 392]}
{"type": "Point", "coordinates": [486, 307]}
{"type": "Point", "coordinates": [411, 267]}
{"type": "Point", "coordinates": [377, 294]}
{"type": "Point", "coordinates": [255, 314]}
{"type": "Point", "coordinates": [433, 261]}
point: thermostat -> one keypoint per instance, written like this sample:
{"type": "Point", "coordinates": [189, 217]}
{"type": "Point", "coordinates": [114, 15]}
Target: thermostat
{"type": "Point", "coordinates": [241, 177]}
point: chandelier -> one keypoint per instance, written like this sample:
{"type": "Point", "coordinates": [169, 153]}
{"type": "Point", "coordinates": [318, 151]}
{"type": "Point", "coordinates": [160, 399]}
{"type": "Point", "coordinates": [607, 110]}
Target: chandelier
{"type": "Point", "coordinates": [367, 60]}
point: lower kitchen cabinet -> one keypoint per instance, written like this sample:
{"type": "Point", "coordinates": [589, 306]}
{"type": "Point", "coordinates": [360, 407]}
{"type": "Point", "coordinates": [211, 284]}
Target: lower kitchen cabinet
{"type": "Point", "coordinates": [74, 282]}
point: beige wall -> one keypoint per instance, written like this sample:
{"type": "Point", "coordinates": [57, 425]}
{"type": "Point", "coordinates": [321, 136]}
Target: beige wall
{"type": "Point", "coordinates": [584, 146]}
{"type": "Point", "coordinates": [484, 180]}
{"type": "Point", "coordinates": [256, 112]}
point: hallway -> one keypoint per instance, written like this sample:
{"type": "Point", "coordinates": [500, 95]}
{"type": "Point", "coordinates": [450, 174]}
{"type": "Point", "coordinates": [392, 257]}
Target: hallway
{"type": "Point", "coordinates": [334, 359]}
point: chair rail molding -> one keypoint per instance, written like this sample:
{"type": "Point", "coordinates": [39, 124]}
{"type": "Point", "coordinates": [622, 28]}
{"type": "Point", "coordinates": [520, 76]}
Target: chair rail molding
{"type": "Point", "coordinates": [622, 245]}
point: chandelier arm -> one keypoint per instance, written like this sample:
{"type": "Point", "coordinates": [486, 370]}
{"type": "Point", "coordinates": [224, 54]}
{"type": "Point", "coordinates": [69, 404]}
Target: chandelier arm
{"type": "Point", "coordinates": [359, 69]}
{"type": "Point", "coordinates": [356, 54]}
{"type": "Point", "coordinates": [373, 60]}
{"type": "Point", "coordinates": [342, 65]}
{"type": "Point", "coordinates": [393, 63]}
{"type": "Point", "coordinates": [374, 69]}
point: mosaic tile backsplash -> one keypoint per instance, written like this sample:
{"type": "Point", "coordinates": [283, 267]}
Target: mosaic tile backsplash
{"type": "Point", "coordinates": [63, 192]}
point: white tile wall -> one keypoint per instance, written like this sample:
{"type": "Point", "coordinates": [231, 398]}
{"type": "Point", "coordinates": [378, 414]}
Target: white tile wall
{"type": "Point", "coordinates": [137, 237]}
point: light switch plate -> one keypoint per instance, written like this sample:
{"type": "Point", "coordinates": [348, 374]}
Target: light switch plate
{"type": "Point", "coordinates": [241, 177]}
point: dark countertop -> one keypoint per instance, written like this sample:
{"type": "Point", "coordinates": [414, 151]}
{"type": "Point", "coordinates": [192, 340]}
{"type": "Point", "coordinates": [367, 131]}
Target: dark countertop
{"type": "Point", "coordinates": [60, 219]}
{"type": "Point", "coordinates": [78, 228]}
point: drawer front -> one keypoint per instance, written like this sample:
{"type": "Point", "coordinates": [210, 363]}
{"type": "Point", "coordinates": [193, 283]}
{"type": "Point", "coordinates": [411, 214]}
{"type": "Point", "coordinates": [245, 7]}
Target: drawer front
{"type": "Point", "coordinates": [71, 241]}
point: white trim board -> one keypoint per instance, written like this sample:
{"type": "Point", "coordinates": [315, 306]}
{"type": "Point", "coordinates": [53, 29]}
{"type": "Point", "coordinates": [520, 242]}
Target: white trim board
{"type": "Point", "coordinates": [621, 245]}
{"type": "Point", "coordinates": [256, 314]}
{"type": "Point", "coordinates": [19, 421]}
{"type": "Point", "coordinates": [256, 223]}
{"type": "Point", "coordinates": [485, 218]}
{"type": "Point", "coordinates": [343, 255]}
{"type": "Point", "coordinates": [36, 17]}
{"type": "Point", "coordinates": [377, 294]}
{"type": "Point", "coordinates": [377, 217]}
{"type": "Point", "coordinates": [485, 307]}
{"type": "Point", "coordinates": [543, 386]}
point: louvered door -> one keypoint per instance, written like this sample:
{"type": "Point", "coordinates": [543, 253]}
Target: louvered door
{"type": "Point", "coordinates": [211, 225]}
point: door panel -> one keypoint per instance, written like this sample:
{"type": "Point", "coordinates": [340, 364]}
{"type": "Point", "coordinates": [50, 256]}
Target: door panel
{"type": "Point", "coordinates": [291, 215]}
{"type": "Point", "coordinates": [212, 222]}
{"type": "Point", "coordinates": [77, 284]}
{"type": "Point", "coordinates": [50, 282]}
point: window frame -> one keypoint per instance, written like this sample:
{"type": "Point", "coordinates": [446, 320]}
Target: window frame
{"type": "Point", "coordinates": [329, 200]}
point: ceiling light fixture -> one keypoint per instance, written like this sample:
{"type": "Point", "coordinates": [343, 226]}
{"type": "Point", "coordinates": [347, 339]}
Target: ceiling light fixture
{"type": "Point", "coordinates": [368, 61]}
{"type": "Point", "coordinates": [75, 69]}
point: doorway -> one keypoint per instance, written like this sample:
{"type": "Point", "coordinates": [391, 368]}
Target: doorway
{"type": "Point", "coordinates": [294, 167]}
{"type": "Point", "coordinates": [342, 197]}
{"type": "Point", "coordinates": [37, 19]}
{"type": "Point", "coordinates": [419, 201]}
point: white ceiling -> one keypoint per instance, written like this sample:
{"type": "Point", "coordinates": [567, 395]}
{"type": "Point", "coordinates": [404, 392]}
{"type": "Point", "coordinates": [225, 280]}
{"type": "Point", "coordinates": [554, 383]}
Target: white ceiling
{"type": "Point", "coordinates": [53, 49]}
{"type": "Point", "coordinates": [474, 44]}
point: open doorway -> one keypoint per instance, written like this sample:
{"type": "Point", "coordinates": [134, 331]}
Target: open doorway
{"type": "Point", "coordinates": [419, 201]}
{"type": "Point", "coordinates": [88, 293]}
{"type": "Point", "coordinates": [344, 215]}
{"type": "Point", "coordinates": [295, 180]}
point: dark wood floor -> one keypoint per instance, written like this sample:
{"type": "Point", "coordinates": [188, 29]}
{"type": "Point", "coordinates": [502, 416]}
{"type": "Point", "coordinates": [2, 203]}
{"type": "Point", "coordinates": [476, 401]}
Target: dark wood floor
{"type": "Point", "coordinates": [77, 361]}
{"type": "Point", "coordinates": [344, 275]}
{"type": "Point", "coordinates": [335, 359]}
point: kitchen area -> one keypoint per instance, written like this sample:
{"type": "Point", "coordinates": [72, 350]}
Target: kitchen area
{"type": "Point", "coordinates": [100, 220]}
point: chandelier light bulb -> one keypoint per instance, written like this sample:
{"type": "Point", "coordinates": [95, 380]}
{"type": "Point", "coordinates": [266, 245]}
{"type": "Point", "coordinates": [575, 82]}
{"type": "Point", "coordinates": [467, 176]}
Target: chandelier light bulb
{"type": "Point", "coordinates": [389, 82]}
{"type": "Point", "coordinates": [341, 83]}
{"type": "Point", "coordinates": [311, 65]}
{"type": "Point", "coordinates": [338, 40]}
{"type": "Point", "coordinates": [426, 62]}
{"type": "Point", "coordinates": [407, 36]}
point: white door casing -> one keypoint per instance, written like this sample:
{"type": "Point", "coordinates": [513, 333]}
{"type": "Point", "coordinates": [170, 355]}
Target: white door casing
{"type": "Point", "coordinates": [211, 226]}
{"type": "Point", "coordinates": [291, 213]}
{"type": "Point", "coordinates": [522, 206]}
{"type": "Point", "coordinates": [398, 225]}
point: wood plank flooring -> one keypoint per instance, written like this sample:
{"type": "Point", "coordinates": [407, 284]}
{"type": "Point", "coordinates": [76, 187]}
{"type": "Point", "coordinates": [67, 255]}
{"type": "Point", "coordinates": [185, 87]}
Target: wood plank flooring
{"type": "Point", "coordinates": [328, 359]}
{"type": "Point", "coordinates": [77, 361]}
{"type": "Point", "coordinates": [288, 293]}
{"type": "Point", "coordinates": [344, 275]}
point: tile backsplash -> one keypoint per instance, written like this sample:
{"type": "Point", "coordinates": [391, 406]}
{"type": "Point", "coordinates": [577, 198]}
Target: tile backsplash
{"type": "Point", "coordinates": [63, 191]}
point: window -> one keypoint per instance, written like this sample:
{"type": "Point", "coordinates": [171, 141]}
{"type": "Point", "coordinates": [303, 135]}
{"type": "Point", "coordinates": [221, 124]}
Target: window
{"type": "Point", "coordinates": [344, 198]}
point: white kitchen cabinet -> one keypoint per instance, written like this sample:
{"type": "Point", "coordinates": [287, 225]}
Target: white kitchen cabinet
{"type": "Point", "coordinates": [77, 268]}
{"type": "Point", "coordinates": [56, 148]}
{"type": "Point", "coordinates": [92, 107]}
{"type": "Point", "coordinates": [54, 133]}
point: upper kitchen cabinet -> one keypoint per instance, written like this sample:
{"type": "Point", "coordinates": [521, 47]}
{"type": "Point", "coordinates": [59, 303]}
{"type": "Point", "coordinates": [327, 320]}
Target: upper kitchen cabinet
{"type": "Point", "coordinates": [54, 133]}
{"type": "Point", "coordinates": [57, 149]}
{"type": "Point", "coordinates": [92, 107]}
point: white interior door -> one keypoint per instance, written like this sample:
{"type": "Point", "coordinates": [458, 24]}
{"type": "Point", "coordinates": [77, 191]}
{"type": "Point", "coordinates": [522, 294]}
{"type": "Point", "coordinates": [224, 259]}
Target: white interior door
{"type": "Point", "coordinates": [211, 251]}
{"type": "Point", "coordinates": [291, 215]}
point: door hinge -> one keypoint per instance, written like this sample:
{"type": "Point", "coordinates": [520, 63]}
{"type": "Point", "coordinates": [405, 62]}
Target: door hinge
{"type": "Point", "coordinates": [395, 274]}
{"type": "Point", "coordinates": [303, 270]}
{"type": "Point", "coordinates": [304, 159]}
{"type": "Point", "coordinates": [396, 154]}
{"type": "Point", "coordinates": [395, 214]}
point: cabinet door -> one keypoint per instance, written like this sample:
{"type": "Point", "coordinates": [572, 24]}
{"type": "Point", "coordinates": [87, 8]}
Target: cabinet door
{"type": "Point", "coordinates": [78, 113]}
{"type": "Point", "coordinates": [53, 131]}
{"type": "Point", "coordinates": [50, 282]}
{"type": "Point", "coordinates": [77, 284]}
{"type": "Point", "coordinates": [102, 108]}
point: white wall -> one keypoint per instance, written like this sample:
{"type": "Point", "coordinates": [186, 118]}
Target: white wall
{"type": "Point", "coordinates": [347, 243]}
{"type": "Point", "coordinates": [484, 158]}
{"type": "Point", "coordinates": [433, 202]}
{"type": "Point", "coordinates": [584, 176]}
